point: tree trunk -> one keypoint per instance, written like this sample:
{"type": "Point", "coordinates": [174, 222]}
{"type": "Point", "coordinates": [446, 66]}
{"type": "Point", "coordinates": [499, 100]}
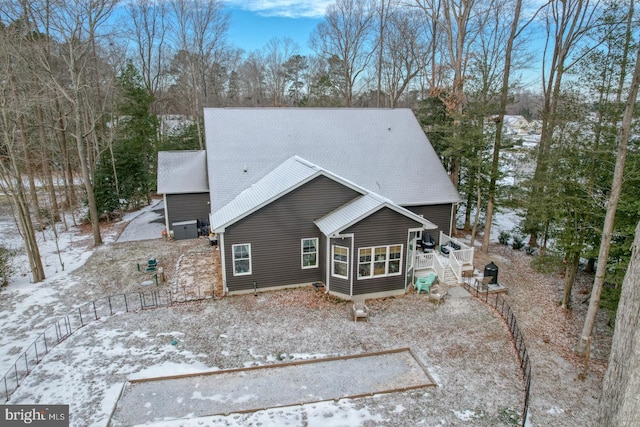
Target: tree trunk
{"type": "Point", "coordinates": [612, 206]}
{"type": "Point", "coordinates": [86, 177]}
{"type": "Point", "coordinates": [570, 272]}
{"type": "Point", "coordinates": [45, 153]}
{"type": "Point", "coordinates": [620, 400]}
{"type": "Point", "coordinates": [497, 143]}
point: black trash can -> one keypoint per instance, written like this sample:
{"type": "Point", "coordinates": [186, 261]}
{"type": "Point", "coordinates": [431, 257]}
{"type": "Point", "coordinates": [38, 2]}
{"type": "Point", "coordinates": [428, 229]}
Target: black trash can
{"type": "Point", "coordinates": [491, 270]}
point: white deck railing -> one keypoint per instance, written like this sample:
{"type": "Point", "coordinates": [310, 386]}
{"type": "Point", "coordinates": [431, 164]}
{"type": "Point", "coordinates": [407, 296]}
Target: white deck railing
{"type": "Point", "coordinates": [458, 259]}
{"type": "Point", "coordinates": [430, 260]}
{"type": "Point", "coordinates": [424, 260]}
{"type": "Point", "coordinates": [456, 267]}
{"type": "Point", "coordinates": [464, 255]}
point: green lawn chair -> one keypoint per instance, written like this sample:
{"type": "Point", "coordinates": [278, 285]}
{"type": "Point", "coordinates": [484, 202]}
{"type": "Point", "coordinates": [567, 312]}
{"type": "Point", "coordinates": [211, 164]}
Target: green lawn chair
{"type": "Point", "coordinates": [424, 283]}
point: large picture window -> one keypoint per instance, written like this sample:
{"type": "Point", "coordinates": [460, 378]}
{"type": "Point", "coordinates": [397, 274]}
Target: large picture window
{"type": "Point", "coordinates": [340, 264]}
{"type": "Point", "coordinates": [241, 259]}
{"type": "Point", "coordinates": [310, 253]}
{"type": "Point", "coordinates": [379, 261]}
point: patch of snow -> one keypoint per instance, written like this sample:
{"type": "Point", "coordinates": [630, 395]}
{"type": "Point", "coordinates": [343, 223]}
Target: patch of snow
{"type": "Point", "coordinates": [466, 415]}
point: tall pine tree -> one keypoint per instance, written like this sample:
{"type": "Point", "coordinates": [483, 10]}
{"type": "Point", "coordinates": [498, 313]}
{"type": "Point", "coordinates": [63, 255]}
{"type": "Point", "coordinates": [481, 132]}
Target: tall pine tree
{"type": "Point", "coordinates": [124, 177]}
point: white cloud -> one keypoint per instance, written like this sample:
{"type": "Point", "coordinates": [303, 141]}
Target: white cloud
{"type": "Point", "coordinates": [284, 8]}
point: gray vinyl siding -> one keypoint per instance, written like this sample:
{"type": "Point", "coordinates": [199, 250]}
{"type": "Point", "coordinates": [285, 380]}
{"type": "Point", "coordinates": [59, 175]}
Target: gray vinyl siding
{"type": "Point", "coordinates": [275, 232]}
{"type": "Point", "coordinates": [440, 215]}
{"type": "Point", "coordinates": [187, 207]}
{"type": "Point", "coordinates": [385, 227]}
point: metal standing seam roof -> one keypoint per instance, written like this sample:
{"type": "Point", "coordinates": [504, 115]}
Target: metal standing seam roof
{"type": "Point", "coordinates": [181, 172]}
{"type": "Point", "coordinates": [291, 174]}
{"type": "Point", "coordinates": [360, 208]}
{"type": "Point", "coordinates": [384, 150]}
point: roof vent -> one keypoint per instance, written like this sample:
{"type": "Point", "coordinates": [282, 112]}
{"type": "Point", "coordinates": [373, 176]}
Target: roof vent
{"type": "Point", "coordinates": [245, 168]}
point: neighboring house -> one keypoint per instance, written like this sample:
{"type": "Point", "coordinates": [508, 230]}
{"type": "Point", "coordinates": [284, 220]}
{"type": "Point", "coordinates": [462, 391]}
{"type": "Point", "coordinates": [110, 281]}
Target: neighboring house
{"type": "Point", "coordinates": [516, 124]}
{"type": "Point", "coordinates": [337, 196]}
{"type": "Point", "coordinates": [182, 180]}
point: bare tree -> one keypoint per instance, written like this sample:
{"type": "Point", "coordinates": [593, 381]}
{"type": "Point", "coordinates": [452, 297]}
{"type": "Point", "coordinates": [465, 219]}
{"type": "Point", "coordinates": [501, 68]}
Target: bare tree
{"type": "Point", "coordinates": [12, 109]}
{"type": "Point", "coordinates": [149, 20]}
{"type": "Point", "coordinates": [515, 30]}
{"type": "Point", "coordinates": [383, 10]}
{"type": "Point", "coordinates": [275, 54]}
{"type": "Point", "coordinates": [404, 53]}
{"type": "Point", "coordinates": [252, 80]}
{"type": "Point", "coordinates": [344, 38]}
{"type": "Point", "coordinates": [618, 404]}
{"type": "Point", "coordinates": [568, 23]}
{"type": "Point", "coordinates": [200, 31]}
{"type": "Point", "coordinates": [72, 30]}
{"type": "Point", "coordinates": [612, 206]}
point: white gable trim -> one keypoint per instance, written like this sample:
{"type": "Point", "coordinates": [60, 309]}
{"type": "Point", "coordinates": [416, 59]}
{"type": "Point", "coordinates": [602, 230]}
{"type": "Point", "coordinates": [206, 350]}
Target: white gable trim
{"type": "Point", "coordinates": [315, 171]}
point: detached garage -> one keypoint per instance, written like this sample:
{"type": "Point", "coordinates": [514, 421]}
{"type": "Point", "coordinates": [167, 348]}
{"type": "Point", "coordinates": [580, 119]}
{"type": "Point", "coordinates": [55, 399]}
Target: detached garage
{"type": "Point", "coordinates": [183, 182]}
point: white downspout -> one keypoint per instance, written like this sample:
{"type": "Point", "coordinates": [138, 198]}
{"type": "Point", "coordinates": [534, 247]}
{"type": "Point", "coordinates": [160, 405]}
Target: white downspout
{"type": "Point", "coordinates": [223, 263]}
{"type": "Point", "coordinates": [166, 214]}
{"type": "Point", "coordinates": [328, 262]}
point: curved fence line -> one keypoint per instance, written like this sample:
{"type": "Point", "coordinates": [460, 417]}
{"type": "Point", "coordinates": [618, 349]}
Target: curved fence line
{"type": "Point", "coordinates": [63, 327]}
{"type": "Point", "coordinates": [502, 307]}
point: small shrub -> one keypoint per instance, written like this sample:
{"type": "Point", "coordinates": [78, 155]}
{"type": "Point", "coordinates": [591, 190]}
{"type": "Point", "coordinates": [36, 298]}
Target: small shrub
{"type": "Point", "coordinates": [517, 243]}
{"type": "Point", "coordinates": [6, 268]}
{"type": "Point", "coordinates": [504, 237]}
{"type": "Point", "coordinates": [530, 250]}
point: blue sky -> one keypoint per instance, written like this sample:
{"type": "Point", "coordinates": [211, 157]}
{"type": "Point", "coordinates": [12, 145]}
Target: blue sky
{"type": "Point", "coordinates": [255, 22]}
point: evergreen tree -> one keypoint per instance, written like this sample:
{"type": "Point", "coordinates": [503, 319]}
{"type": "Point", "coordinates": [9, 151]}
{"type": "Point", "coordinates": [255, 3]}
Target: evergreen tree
{"type": "Point", "coordinates": [124, 177]}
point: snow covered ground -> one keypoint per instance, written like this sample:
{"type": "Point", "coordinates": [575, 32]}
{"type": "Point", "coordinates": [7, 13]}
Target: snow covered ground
{"type": "Point", "coordinates": [463, 343]}
{"type": "Point", "coordinates": [89, 368]}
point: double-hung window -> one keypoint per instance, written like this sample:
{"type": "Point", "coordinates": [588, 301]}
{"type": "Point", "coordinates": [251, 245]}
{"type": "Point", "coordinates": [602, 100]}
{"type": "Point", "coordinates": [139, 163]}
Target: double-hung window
{"type": "Point", "coordinates": [340, 262]}
{"type": "Point", "coordinates": [379, 261]}
{"type": "Point", "coordinates": [309, 252]}
{"type": "Point", "coordinates": [241, 259]}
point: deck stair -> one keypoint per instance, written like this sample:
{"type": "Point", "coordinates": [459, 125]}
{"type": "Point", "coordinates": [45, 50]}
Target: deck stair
{"type": "Point", "coordinates": [449, 277]}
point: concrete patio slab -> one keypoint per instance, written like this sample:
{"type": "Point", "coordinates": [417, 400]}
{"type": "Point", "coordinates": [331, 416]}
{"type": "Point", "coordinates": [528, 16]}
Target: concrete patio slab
{"type": "Point", "coordinates": [458, 292]}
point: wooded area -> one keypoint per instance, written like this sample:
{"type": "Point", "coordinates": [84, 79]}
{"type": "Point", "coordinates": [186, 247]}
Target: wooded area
{"type": "Point", "coordinates": [87, 87]}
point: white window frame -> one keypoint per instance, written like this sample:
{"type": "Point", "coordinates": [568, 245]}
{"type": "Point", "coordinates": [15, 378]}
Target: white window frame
{"type": "Point", "coordinates": [333, 261]}
{"type": "Point", "coordinates": [303, 253]}
{"type": "Point", "coordinates": [234, 259]}
{"type": "Point", "coordinates": [373, 261]}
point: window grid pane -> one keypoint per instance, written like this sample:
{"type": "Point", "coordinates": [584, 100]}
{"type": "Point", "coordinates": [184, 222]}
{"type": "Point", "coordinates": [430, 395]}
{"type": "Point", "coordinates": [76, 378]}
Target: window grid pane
{"type": "Point", "coordinates": [379, 261]}
{"type": "Point", "coordinates": [364, 262]}
{"type": "Point", "coordinates": [340, 261]}
{"type": "Point", "coordinates": [241, 259]}
{"type": "Point", "coordinates": [309, 253]}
